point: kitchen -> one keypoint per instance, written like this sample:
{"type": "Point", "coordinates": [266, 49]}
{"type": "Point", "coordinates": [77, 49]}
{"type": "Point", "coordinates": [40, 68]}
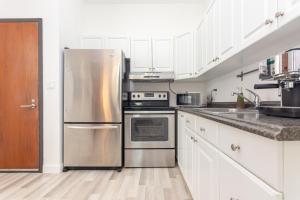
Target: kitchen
{"type": "Point", "coordinates": [213, 49]}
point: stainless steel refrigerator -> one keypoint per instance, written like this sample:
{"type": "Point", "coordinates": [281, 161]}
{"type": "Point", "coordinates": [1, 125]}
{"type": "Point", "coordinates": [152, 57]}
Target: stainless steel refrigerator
{"type": "Point", "coordinates": [93, 108]}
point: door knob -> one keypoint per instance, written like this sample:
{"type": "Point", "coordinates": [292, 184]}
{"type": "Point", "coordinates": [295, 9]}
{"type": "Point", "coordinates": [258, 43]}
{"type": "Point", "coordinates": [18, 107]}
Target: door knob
{"type": "Point", "coordinates": [30, 106]}
{"type": "Point", "coordinates": [268, 21]}
{"type": "Point", "coordinates": [279, 14]}
{"type": "Point", "coordinates": [235, 147]}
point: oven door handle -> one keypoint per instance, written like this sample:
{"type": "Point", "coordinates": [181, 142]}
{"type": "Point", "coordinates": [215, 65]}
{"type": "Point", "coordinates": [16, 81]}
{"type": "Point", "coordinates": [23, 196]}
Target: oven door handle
{"type": "Point", "coordinates": [149, 112]}
{"type": "Point", "coordinates": [143, 116]}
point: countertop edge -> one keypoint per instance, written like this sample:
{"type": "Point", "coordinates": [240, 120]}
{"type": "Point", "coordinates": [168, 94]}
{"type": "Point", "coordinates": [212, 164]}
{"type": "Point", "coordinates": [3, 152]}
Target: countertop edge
{"type": "Point", "coordinates": [277, 134]}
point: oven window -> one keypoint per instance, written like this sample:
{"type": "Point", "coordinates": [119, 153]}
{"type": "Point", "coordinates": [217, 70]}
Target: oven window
{"type": "Point", "coordinates": [149, 129]}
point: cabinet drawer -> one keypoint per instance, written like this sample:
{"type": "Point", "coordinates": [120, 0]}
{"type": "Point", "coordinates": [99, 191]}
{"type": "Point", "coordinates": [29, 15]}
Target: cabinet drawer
{"type": "Point", "coordinates": [207, 129]}
{"type": "Point", "coordinates": [238, 183]}
{"type": "Point", "coordinates": [261, 156]}
{"type": "Point", "coordinates": [190, 121]}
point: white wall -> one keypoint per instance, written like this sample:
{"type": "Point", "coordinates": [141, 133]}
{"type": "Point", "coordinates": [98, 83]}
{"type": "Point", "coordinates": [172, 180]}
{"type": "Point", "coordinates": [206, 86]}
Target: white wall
{"type": "Point", "coordinates": [140, 19]}
{"type": "Point", "coordinates": [91, 19]}
{"type": "Point", "coordinates": [70, 23]}
{"type": "Point", "coordinates": [48, 10]}
{"type": "Point", "coordinates": [229, 82]}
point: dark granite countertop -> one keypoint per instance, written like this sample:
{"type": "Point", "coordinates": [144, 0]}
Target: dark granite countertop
{"type": "Point", "coordinates": [276, 128]}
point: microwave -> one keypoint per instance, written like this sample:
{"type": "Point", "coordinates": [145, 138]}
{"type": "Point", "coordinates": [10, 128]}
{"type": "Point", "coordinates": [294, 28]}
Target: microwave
{"type": "Point", "coordinates": [192, 99]}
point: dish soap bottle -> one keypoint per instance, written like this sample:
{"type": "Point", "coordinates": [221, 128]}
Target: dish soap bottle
{"type": "Point", "coordinates": [240, 102]}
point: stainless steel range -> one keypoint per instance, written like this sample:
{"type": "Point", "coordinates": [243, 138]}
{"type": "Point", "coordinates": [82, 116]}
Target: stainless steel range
{"type": "Point", "coordinates": [149, 130]}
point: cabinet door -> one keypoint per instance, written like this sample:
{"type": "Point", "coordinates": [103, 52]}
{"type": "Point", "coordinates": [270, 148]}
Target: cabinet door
{"type": "Point", "coordinates": [180, 139]}
{"type": "Point", "coordinates": [200, 50]}
{"type": "Point", "coordinates": [119, 43]}
{"type": "Point", "coordinates": [287, 11]}
{"type": "Point", "coordinates": [184, 49]}
{"type": "Point", "coordinates": [210, 55]}
{"type": "Point", "coordinates": [237, 183]}
{"type": "Point", "coordinates": [229, 27]}
{"type": "Point", "coordinates": [163, 54]}
{"type": "Point", "coordinates": [141, 55]}
{"type": "Point", "coordinates": [93, 42]}
{"type": "Point", "coordinates": [188, 157]}
{"type": "Point", "coordinates": [213, 34]}
{"type": "Point", "coordinates": [258, 19]}
{"type": "Point", "coordinates": [205, 171]}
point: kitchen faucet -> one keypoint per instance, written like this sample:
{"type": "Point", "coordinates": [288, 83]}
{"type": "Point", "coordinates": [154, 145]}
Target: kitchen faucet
{"type": "Point", "coordinates": [256, 101]}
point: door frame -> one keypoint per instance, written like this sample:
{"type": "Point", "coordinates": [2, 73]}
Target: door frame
{"type": "Point", "coordinates": [40, 86]}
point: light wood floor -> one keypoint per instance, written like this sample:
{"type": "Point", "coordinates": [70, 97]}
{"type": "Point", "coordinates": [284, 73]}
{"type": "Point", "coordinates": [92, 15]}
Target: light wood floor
{"type": "Point", "coordinates": [130, 184]}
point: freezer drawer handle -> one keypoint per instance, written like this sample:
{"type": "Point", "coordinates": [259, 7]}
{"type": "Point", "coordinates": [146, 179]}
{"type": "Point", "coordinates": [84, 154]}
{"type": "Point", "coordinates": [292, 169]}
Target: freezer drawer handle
{"type": "Point", "coordinates": [92, 127]}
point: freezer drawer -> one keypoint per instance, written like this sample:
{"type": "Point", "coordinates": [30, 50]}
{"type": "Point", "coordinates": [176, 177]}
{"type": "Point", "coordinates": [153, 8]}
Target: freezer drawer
{"type": "Point", "coordinates": [92, 145]}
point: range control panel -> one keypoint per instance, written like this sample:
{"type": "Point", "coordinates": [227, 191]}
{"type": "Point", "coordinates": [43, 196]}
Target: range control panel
{"type": "Point", "coordinates": [149, 96]}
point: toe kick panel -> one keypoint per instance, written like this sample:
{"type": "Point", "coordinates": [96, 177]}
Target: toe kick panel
{"type": "Point", "coordinates": [149, 157]}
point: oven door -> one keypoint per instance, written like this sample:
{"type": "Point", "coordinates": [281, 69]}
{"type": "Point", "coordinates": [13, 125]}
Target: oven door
{"type": "Point", "coordinates": [150, 129]}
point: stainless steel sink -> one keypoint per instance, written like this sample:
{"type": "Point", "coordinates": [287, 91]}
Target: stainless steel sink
{"type": "Point", "coordinates": [227, 110]}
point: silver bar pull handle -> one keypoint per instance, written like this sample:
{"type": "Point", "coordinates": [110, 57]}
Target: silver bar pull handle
{"type": "Point", "coordinates": [31, 106]}
{"type": "Point", "coordinates": [92, 127]}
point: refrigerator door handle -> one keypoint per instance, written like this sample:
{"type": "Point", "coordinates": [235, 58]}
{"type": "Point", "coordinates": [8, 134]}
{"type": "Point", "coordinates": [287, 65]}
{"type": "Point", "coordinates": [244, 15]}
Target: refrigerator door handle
{"type": "Point", "coordinates": [91, 127]}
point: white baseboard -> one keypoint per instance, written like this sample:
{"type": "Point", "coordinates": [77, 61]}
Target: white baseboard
{"type": "Point", "coordinates": [52, 169]}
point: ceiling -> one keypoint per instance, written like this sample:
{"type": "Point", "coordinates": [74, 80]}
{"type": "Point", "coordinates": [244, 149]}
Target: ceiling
{"type": "Point", "coordinates": [146, 1]}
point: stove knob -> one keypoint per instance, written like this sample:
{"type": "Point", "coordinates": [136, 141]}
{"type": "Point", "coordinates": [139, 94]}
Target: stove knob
{"type": "Point", "coordinates": [164, 96]}
{"type": "Point", "coordinates": [138, 96]}
{"type": "Point", "coordinates": [133, 96]}
{"type": "Point", "coordinates": [159, 96]}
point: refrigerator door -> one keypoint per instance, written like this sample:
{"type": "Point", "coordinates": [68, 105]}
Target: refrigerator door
{"type": "Point", "coordinates": [93, 85]}
{"type": "Point", "coordinates": [92, 145]}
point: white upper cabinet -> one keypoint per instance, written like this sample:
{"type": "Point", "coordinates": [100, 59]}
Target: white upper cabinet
{"type": "Point", "coordinates": [152, 55]}
{"type": "Point", "coordinates": [184, 53]}
{"type": "Point", "coordinates": [93, 42]}
{"type": "Point", "coordinates": [107, 42]}
{"type": "Point", "coordinates": [258, 19]}
{"type": "Point", "coordinates": [287, 11]}
{"type": "Point", "coordinates": [141, 55]}
{"type": "Point", "coordinates": [200, 48]}
{"type": "Point", "coordinates": [163, 54]}
{"type": "Point", "coordinates": [229, 27]}
{"type": "Point", "coordinates": [122, 43]}
{"type": "Point", "coordinates": [212, 50]}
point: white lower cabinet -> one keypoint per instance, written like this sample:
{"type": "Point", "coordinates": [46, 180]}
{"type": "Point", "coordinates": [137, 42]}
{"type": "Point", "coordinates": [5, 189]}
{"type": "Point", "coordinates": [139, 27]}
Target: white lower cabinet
{"type": "Point", "coordinates": [188, 157]}
{"type": "Point", "coordinates": [212, 173]}
{"type": "Point", "coordinates": [251, 151]}
{"type": "Point", "coordinates": [236, 183]}
{"type": "Point", "coordinates": [205, 171]}
{"type": "Point", "coordinates": [197, 160]}
{"type": "Point", "coordinates": [180, 140]}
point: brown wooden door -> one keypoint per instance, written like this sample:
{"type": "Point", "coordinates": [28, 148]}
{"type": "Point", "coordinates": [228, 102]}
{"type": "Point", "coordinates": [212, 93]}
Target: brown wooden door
{"type": "Point", "coordinates": [19, 85]}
